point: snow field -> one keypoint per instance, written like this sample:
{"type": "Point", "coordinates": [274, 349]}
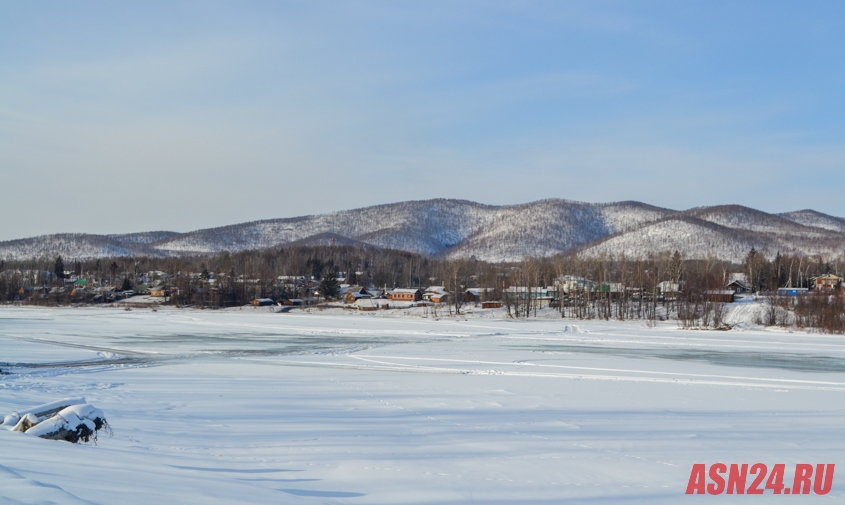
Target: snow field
{"type": "Point", "coordinates": [255, 407]}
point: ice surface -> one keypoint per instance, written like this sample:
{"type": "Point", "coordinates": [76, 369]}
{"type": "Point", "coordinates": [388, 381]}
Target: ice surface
{"type": "Point", "coordinates": [256, 407]}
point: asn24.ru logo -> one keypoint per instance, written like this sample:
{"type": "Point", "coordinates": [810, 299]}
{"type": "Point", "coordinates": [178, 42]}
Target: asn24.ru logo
{"type": "Point", "coordinates": [733, 480]}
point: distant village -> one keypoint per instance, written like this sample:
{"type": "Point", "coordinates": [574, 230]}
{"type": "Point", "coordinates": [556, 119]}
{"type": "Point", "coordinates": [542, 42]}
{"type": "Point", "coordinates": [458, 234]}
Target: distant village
{"type": "Point", "coordinates": [797, 291]}
{"type": "Point", "coordinates": [217, 289]}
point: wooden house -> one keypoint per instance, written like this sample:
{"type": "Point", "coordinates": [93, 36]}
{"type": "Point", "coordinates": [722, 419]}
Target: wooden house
{"type": "Point", "coordinates": [406, 294]}
{"type": "Point", "coordinates": [738, 287]}
{"type": "Point", "coordinates": [262, 302]}
{"type": "Point", "coordinates": [436, 294]}
{"type": "Point", "coordinates": [439, 297]}
{"type": "Point", "coordinates": [476, 294]}
{"type": "Point", "coordinates": [354, 296]}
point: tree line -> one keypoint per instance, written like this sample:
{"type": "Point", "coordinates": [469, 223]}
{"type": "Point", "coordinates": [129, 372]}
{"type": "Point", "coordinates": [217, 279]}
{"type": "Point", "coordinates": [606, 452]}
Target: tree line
{"type": "Point", "coordinates": [660, 287]}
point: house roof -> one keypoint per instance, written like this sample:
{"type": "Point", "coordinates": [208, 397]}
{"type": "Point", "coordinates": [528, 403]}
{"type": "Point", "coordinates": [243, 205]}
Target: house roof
{"type": "Point", "coordinates": [366, 302]}
{"type": "Point", "coordinates": [408, 291]}
{"type": "Point", "coordinates": [357, 295]}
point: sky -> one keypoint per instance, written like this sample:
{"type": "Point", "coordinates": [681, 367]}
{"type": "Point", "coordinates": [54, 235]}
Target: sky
{"type": "Point", "coordinates": [134, 116]}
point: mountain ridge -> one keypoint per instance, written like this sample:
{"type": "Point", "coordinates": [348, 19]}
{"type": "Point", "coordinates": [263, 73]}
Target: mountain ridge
{"type": "Point", "coordinates": [452, 228]}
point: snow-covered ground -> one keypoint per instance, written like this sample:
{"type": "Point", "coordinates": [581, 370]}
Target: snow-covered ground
{"type": "Point", "coordinates": [255, 407]}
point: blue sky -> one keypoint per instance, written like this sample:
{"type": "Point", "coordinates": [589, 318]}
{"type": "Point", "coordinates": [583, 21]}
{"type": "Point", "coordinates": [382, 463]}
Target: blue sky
{"type": "Point", "coordinates": [122, 116]}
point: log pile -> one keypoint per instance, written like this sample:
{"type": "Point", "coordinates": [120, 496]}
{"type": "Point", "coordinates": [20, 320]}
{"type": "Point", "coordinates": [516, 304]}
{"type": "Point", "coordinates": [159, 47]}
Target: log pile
{"type": "Point", "coordinates": [72, 420]}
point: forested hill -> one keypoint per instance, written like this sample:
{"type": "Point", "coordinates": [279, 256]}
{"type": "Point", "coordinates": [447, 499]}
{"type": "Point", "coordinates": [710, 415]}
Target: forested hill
{"type": "Point", "coordinates": [460, 228]}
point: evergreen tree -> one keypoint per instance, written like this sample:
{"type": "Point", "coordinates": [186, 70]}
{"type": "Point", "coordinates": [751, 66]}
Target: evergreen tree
{"type": "Point", "coordinates": [329, 286]}
{"type": "Point", "coordinates": [352, 277]}
{"type": "Point", "coordinates": [127, 285]}
{"type": "Point", "coordinates": [59, 268]}
{"type": "Point", "coordinates": [315, 265]}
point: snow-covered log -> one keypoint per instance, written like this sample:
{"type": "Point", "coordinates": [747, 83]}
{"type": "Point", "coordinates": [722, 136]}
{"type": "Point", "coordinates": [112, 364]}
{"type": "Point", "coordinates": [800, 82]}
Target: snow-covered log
{"type": "Point", "coordinates": [25, 422]}
{"type": "Point", "coordinates": [49, 409]}
{"type": "Point", "coordinates": [70, 419]}
{"type": "Point", "coordinates": [11, 420]}
{"type": "Point", "coordinates": [73, 424]}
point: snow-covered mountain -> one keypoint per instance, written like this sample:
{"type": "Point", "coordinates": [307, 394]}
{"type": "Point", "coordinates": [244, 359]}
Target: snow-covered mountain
{"type": "Point", "coordinates": [727, 232]}
{"type": "Point", "coordinates": [460, 228]}
{"type": "Point", "coordinates": [815, 219]}
{"type": "Point", "coordinates": [74, 246]}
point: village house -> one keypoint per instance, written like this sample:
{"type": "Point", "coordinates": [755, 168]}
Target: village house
{"type": "Point", "coordinates": [827, 281]}
{"type": "Point", "coordinates": [738, 287]}
{"type": "Point", "coordinates": [543, 296]}
{"type": "Point", "coordinates": [158, 291]}
{"type": "Point", "coordinates": [406, 294]}
{"type": "Point", "coordinates": [667, 288]}
{"type": "Point", "coordinates": [573, 284]}
{"type": "Point", "coordinates": [374, 293]}
{"type": "Point", "coordinates": [435, 294]}
{"type": "Point", "coordinates": [476, 294]}
{"type": "Point", "coordinates": [614, 289]}
{"type": "Point", "coordinates": [439, 297]}
{"type": "Point", "coordinates": [738, 283]}
{"type": "Point", "coordinates": [354, 296]}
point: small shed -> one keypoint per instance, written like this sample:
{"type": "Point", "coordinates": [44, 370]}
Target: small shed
{"type": "Point", "coordinates": [491, 305]}
{"type": "Point", "coordinates": [262, 302]}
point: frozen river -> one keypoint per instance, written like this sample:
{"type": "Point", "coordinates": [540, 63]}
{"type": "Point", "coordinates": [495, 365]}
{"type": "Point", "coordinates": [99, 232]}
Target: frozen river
{"type": "Point", "coordinates": [256, 407]}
